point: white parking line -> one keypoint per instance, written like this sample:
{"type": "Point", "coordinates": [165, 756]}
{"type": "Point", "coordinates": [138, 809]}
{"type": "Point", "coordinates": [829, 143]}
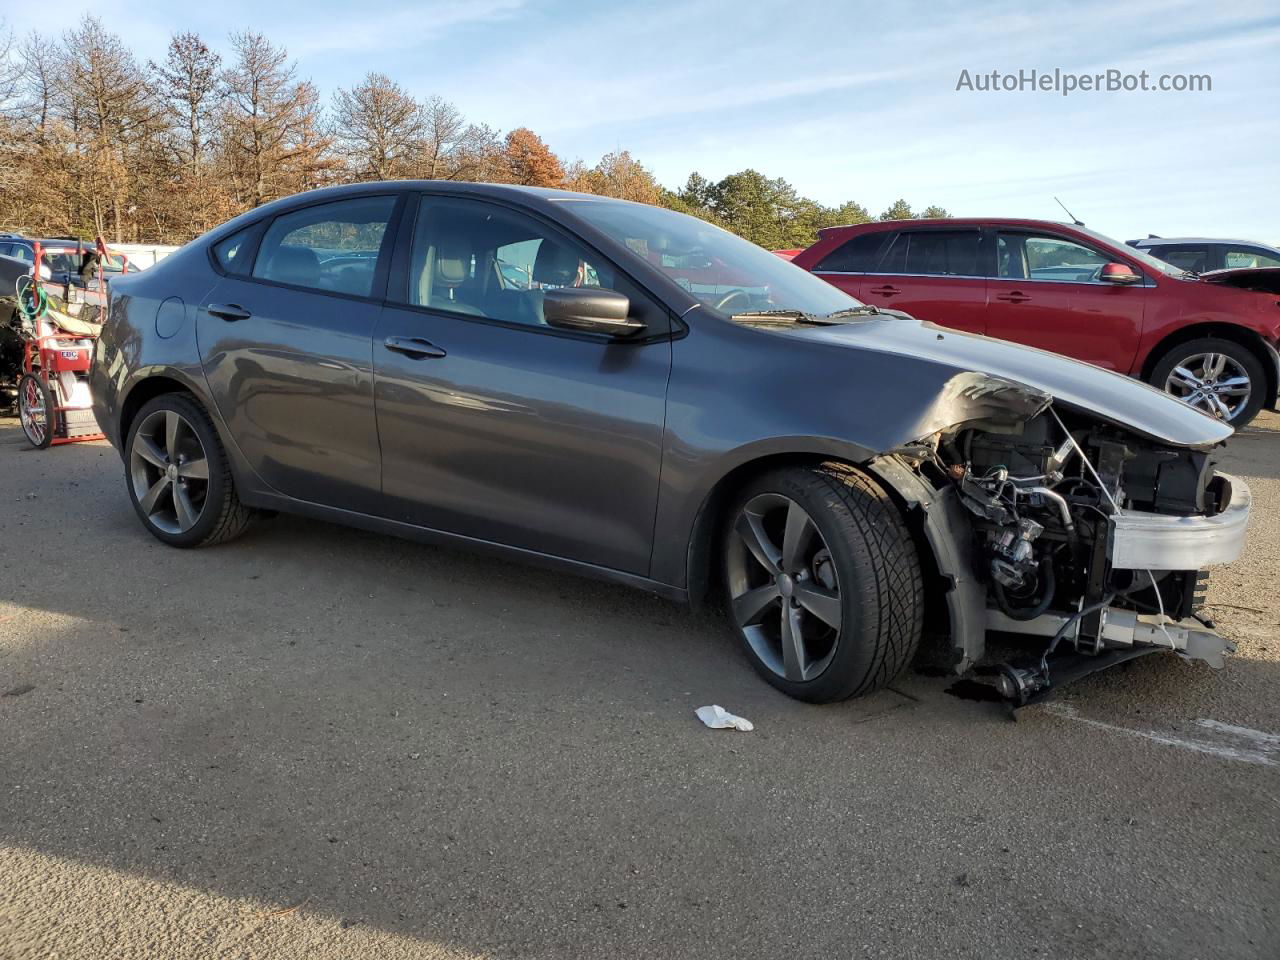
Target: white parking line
{"type": "Point", "coordinates": [1256, 747]}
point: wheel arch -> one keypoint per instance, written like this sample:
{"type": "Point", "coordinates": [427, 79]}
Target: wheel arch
{"type": "Point", "coordinates": [1254, 342]}
{"type": "Point", "coordinates": [145, 389]}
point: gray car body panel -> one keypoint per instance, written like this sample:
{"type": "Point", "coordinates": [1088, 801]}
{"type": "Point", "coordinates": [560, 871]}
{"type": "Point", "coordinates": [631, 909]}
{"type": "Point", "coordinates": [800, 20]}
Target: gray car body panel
{"type": "Point", "coordinates": [615, 489]}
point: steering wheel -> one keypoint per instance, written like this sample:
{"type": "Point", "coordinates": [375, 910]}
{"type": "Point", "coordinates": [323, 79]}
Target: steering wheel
{"type": "Point", "coordinates": [723, 303]}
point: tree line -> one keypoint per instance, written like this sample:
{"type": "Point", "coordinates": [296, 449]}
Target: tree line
{"type": "Point", "coordinates": [94, 141]}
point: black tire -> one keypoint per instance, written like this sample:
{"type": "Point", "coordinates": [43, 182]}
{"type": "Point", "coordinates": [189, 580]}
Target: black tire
{"type": "Point", "coordinates": [222, 516]}
{"type": "Point", "coordinates": [39, 434]}
{"type": "Point", "coordinates": [1243, 358]}
{"type": "Point", "coordinates": [877, 575]}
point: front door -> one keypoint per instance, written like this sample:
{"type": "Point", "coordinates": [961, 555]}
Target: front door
{"type": "Point", "coordinates": [286, 345]}
{"type": "Point", "coordinates": [498, 427]}
{"type": "Point", "coordinates": [1047, 293]}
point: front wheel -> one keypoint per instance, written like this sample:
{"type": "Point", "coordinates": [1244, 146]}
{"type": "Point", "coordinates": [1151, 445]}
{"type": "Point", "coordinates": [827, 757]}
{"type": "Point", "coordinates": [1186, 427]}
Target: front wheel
{"type": "Point", "coordinates": [823, 582]}
{"type": "Point", "coordinates": [1220, 377]}
{"type": "Point", "coordinates": [178, 475]}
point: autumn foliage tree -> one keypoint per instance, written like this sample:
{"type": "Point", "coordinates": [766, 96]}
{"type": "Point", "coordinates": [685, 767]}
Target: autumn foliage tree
{"type": "Point", "coordinates": [94, 142]}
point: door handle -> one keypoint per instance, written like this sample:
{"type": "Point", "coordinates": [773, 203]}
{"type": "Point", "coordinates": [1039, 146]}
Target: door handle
{"type": "Point", "coordinates": [887, 290]}
{"type": "Point", "coordinates": [1013, 296]}
{"type": "Point", "coordinates": [415, 347]}
{"type": "Point", "coordinates": [229, 311]}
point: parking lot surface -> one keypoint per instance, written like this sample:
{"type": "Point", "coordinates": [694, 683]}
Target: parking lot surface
{"type": "Point", "coordinates": [318, 742]}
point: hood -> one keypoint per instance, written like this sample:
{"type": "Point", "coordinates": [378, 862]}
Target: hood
{"type": "Point", "coordinates": [1261, 279]}
{"type": "Point", "coordinates": [1118, 399]}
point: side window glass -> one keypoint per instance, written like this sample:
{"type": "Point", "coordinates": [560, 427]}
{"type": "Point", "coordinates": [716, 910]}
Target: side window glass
{"type": "Point", "coordinates": [482, 260]}
{"type": "Point", "coordinates": [1011, 261]}
{"type": "Point", "coordinates": [331, 247]}
{"type": "Point", "coordinates": [895, 261]}
{"type": "Point", "coordinates": [1195, 259]}
{"type": "Point", "coordinates": [943, 253]}
{"type": "Point", "coordinates": [1240, 257]}
{"type": "Point", "coordinates": [227, 251]}
{"type": "Point", "coordinates": [1047, 258]}
{"type": "Point", "coordinates": [857, 255]}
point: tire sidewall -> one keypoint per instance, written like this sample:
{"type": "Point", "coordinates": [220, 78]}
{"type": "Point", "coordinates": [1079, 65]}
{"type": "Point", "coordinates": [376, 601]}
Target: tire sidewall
{"type": "Point", "coordinates": [854, 656]}
{"type": "Point", "coordinates": [1237, 352]}
{"type": "Point", "coordinates": [210, 513]}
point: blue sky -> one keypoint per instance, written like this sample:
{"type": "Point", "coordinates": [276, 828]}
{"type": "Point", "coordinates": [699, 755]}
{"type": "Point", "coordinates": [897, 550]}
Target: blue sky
{"type": "Point", "coordinates": [845, 100]}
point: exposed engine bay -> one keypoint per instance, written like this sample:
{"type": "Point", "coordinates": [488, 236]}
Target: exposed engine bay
{"type": "Point", "coordinates": [1085, 534]}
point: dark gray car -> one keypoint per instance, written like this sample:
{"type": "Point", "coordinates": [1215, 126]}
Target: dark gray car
{"type": "Point", "coordinates": [621, 391]}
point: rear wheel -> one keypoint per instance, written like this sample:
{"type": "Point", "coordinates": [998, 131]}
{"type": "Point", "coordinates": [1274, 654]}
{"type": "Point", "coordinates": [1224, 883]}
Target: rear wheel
{"type": "Point", "coordinates": [35, 411]}
{"type": "Point", "coordinates": [179, 477]}
{"type": "Point", "coordinates": [1220, 377]}
{"type": "Point", "coordinates": [823, 582]}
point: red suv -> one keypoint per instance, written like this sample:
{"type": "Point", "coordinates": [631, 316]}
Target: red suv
{"type": "Point", "coordinates": [1208, 339]}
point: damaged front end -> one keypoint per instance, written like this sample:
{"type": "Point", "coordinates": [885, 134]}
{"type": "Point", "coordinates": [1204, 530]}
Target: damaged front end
{"type": "Point", "coordinates": [1062, 525]}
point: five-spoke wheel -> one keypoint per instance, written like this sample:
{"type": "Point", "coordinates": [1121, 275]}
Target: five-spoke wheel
{"type": "Point", "coordinates": [178, 476]}
{"type": "Point", "coordinates": [169, 470]}
{"type": "Point", "coordinates": [823, 581]}
{"type": "Point", "coordinates": [783, 587]}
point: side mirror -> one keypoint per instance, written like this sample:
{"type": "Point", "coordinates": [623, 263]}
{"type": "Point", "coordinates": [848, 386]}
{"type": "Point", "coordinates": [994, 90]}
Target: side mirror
{"type": "Point", "coordinates": [1120, 273]}
{"type": "Point", "coordinates": [589, 310]}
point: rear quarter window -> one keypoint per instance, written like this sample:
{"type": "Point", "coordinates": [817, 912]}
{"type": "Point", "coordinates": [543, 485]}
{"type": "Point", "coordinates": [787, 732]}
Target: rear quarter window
{"type": "Point", "coordinates": [856, 255]}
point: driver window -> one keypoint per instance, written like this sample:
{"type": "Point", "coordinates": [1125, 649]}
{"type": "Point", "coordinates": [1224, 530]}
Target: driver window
{"type": "Point", "coordinates": [1030, 257]}
{"type": "Point", "coordinates": [478, 259]}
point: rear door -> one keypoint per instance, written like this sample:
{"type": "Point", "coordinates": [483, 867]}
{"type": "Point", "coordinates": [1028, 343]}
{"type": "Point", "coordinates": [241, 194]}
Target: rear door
{"type": "Point", "coordinates": [286, 341]}
{"type": "Point", "coordinates": [933, 274]}
{"type": "Point", "coordinates": [1046, 293]}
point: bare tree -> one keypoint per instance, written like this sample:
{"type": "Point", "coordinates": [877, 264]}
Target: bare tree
{"type": "Point", "coordinates": [190, 89]}
{"type": "Point", "coordinates": [378, 128]}
{"type": "Point", "coordinates": [270, 122]}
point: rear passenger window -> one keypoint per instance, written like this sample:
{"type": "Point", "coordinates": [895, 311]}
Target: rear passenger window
{"type": "Point", "coordinates": [1237, 257]}
{"type": "Point", "coordinates": [943, 253]}
{"type": "Point", "coordinates": [857, 255]}
{"type": "Point", "coordinates": [331, 247]}
{"type": "Point", "coordinates": [938, 253]}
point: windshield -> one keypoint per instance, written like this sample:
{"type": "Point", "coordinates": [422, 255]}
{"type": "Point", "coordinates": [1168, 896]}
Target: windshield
{"type": "Point", "coordinates": [727, 274]}
{"type": "Point", "coordinates": [1168, 269]}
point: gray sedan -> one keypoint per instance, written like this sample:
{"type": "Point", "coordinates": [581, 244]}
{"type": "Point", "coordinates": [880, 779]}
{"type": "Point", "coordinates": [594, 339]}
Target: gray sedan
{"type": "Point", "coordinates": [621, 391]}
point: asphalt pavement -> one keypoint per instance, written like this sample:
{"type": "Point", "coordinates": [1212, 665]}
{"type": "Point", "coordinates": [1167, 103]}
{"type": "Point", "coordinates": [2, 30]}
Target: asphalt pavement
{"type": "Point", "coordinates": [318, 742]}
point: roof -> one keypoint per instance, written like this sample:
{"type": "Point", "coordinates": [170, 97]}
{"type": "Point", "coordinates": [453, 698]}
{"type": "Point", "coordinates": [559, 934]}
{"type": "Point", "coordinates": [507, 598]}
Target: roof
{"type": "Point", "coordinates": [954, 222]}
{"type": "Point", "coordinates": [1161, 241]}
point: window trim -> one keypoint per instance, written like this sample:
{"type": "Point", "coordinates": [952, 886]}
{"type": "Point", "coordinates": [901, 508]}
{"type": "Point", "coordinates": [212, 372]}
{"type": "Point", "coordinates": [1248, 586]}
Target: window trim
{"type": "Point", "coordinates": [1108, 257]}
{"type": "Point", "coordinates": [397, 291]}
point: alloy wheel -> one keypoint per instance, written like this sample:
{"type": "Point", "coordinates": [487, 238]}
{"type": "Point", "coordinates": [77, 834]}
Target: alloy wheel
{"type": "Point", "coordinates": [1212, 382]}
{"type": "Point", "coordinates": [783, 588]}
{"type": "Point", "coordinates": [169, 472]}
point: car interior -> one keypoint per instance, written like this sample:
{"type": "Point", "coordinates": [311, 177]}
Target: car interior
{"type": "Point", "coordinates": [491, 266]}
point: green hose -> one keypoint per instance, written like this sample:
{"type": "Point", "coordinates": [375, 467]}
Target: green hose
{"type": "Point", "coordinates": [32, 300]}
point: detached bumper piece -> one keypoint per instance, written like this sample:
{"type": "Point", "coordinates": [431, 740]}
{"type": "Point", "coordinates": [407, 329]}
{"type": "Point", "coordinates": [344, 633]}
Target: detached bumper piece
{"type": "Point", "coordinates": [1154, 541]}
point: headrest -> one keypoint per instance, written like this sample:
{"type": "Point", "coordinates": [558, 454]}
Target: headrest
{"type": "Point", "coordinates": [452, 264]}
{"type": "Point", "coordinates": [298, 265]}
{"type": "Point", "coordinates": [555, 265]}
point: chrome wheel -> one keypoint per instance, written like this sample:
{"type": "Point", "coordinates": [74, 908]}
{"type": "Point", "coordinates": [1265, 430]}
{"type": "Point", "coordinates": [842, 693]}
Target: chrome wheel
{"type": "Point", "coordinates": [169, 472]}
{"type": "Point", "coordinates": [33, 411]}
{"type": "Point", "coordinates": [783, 588]}
{"type": "Point", "coordinates": [1213, 382]}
